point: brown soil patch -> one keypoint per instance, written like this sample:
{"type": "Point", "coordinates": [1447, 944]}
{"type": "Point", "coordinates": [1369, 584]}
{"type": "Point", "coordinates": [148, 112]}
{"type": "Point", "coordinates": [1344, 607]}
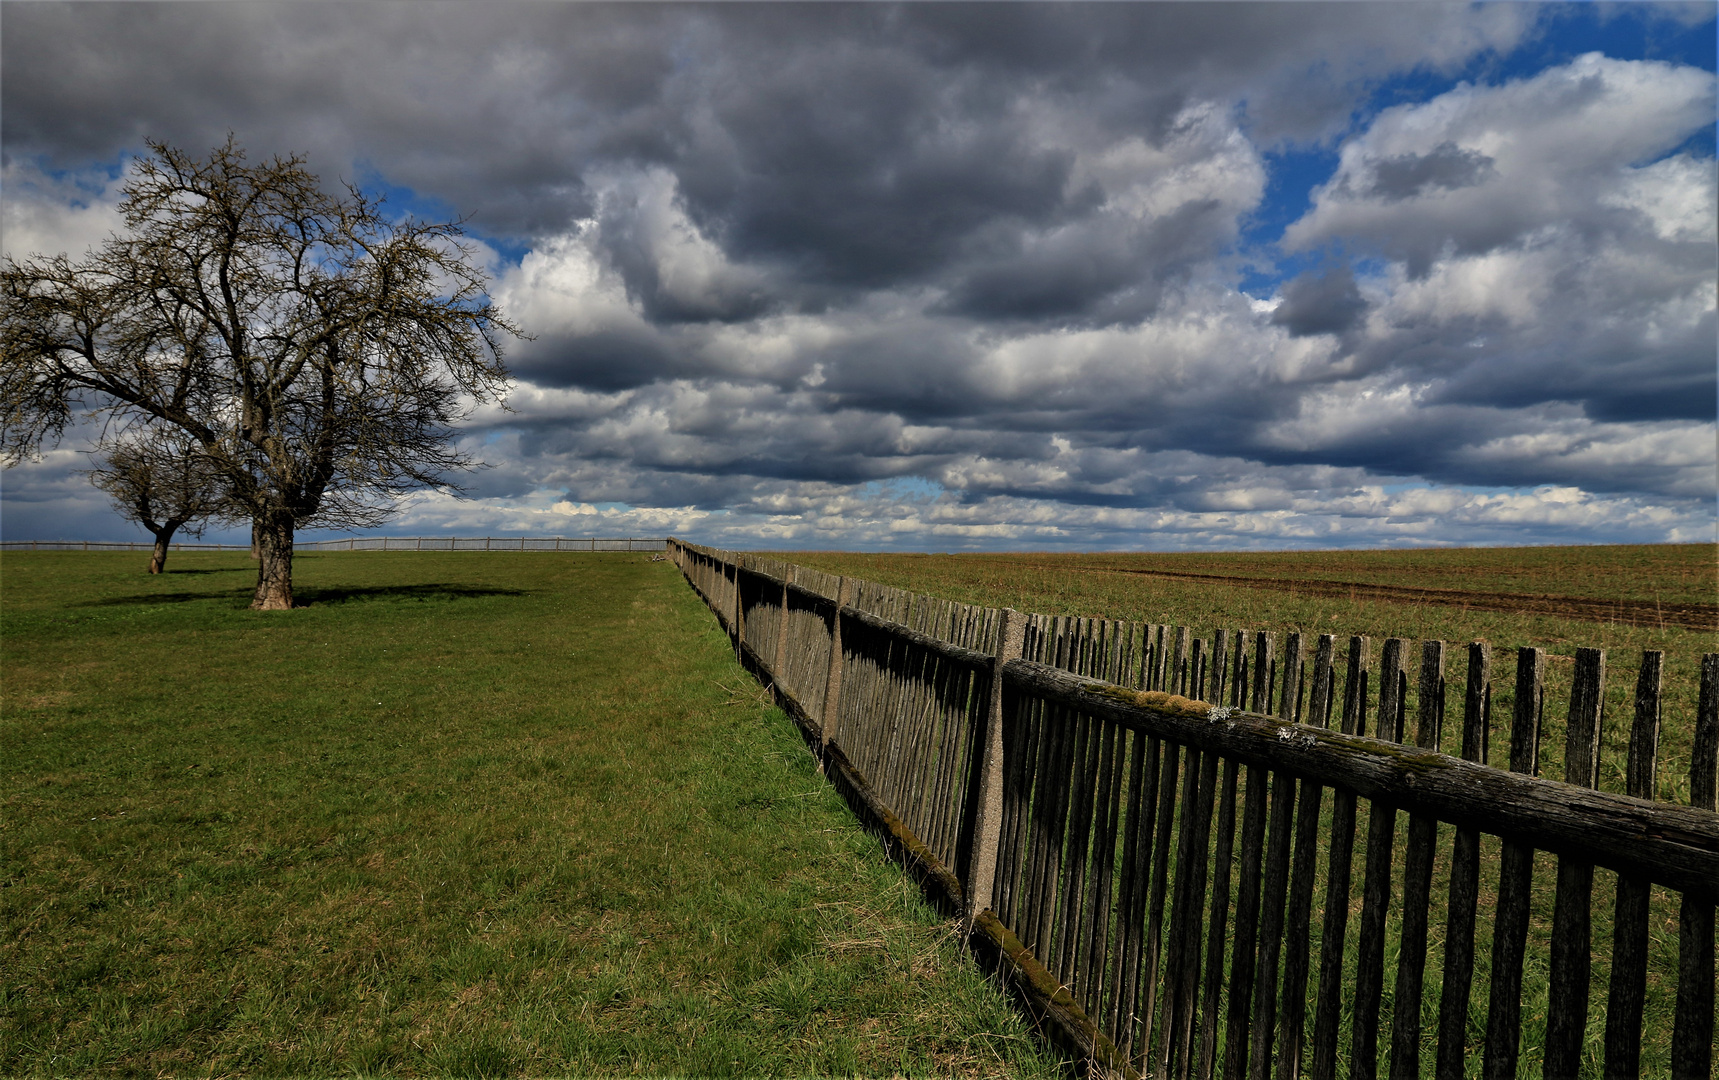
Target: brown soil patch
{"type": "Point", "coordinates": [1631, 612]}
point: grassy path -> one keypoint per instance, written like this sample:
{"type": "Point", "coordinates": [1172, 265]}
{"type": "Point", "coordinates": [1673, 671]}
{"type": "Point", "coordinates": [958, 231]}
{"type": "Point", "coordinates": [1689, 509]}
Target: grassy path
{"type": "Point", "coordinates": [462, 815]}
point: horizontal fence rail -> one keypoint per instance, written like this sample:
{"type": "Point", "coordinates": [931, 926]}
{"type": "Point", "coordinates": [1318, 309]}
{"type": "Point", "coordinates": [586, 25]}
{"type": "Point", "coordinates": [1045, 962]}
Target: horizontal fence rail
{"type": "Point", "coordinates": [369, 543]}
{"type": "Point", "coordinates": [1260, 855]}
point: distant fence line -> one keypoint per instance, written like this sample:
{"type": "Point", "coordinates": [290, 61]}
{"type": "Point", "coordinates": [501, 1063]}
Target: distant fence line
{"type": "Point", "coordinates": [373, 543]}
{"type": "Point", "coordinates": [1075, 787]}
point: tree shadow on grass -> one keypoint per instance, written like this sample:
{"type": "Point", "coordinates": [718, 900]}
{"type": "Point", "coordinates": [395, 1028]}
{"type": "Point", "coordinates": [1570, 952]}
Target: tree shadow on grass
{"type": "Point", "coordinates": [221, 570]}
{"type": "Point", "coordinates": [141, 599]}
{"type": "Point", "coordinates": [314, 597]}
{"type": "Point", "coordinates": [421, 593]}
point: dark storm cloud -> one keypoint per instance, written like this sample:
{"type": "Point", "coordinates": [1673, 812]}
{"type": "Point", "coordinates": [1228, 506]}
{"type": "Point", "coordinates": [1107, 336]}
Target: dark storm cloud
{"type": "Point", "coordinates": [1447, 166]}
{"type": "Point", "coordinates": [1324, 303]}
{"type": "Point", "coordinates": [600, 360]}
{"type": "Point", "coordinates": [856, 144]}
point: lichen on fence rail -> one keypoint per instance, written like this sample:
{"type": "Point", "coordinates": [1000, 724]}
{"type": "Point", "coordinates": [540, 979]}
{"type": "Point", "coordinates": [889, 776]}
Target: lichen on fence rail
{"type": "Point", "coordinates": [1177, 820]}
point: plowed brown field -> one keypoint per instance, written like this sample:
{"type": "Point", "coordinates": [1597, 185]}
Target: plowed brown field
{"type": "Point", "coordinates": [1690, 616]}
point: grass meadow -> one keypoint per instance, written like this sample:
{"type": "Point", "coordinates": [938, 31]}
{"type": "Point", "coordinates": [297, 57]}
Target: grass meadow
{"type": "Point", "coordinates": [460, 814]}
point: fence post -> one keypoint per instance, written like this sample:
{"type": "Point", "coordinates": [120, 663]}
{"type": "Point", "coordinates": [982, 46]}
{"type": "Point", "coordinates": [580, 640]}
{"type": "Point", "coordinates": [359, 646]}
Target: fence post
{"type": "Point", "coordinates": [1571, 952]}
{"type": "Point", "coordinates": [981, 873]}
{"type": "Point", "coordinates": [830, 722]}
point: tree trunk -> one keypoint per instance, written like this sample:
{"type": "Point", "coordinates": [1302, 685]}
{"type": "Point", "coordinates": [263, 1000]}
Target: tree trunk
{"type": "Point", "coordinates": [163, 537]}
{"type": "Point", "coordinates": [256, 542]}
{"type": "Point", "coordinates": [163, 534]}
{"type": "Point", "coordinates": [274, 563]}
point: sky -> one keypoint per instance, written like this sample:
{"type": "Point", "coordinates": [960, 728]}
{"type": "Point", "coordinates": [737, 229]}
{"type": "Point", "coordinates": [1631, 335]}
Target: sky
{"type": "Point", "coordinates": [1021, 276]}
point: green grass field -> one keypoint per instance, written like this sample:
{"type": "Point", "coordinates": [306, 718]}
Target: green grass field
{"type": "Point", "coordinates": [462, 814]}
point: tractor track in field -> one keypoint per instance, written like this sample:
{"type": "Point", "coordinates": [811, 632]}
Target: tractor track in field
{"type": "Point", "coordinates": [1632, 612]}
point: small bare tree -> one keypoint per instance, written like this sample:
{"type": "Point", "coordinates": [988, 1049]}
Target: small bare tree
{"type": "Point", "coordinates": [162, 480]}
{"type": "Point", "coordinates": [317, 352]}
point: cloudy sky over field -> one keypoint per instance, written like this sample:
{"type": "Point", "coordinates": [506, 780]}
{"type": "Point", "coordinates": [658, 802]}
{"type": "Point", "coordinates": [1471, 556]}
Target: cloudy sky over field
{"type": "Point", "coordinates": [1020, 276]}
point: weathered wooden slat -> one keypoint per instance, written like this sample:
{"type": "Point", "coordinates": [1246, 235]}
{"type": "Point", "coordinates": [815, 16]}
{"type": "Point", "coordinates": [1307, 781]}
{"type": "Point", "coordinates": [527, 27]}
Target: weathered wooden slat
{"type": "Point", "coordinates": [1393, 689]}
{"type": "Point", "coordinates": [1218, 681]}
{"type": "Point", "coordinates": [1053, 835]}
{"type": "Point", "coordinates": [1319, 700]}
{"type": "Point", "coordinates": [1033, 821]}
{"type": "Point", "coordinates": [1179, 663]}
{"type": "Point", "coordinates": [1243, 957]}
{"type": "Point", "coordinates": [1131, 657]}
{"type": "Point", "coordinates": [1355, 688]}
{"type": "Point", "coordinates": [1692, 1030]}
{"type": "Point", "coordinates": [1196, 686]}
{"type": "Point", "coordinates": [1071, 948]}
{"type": "Point", "coordinates": [1180, 1058]}
{"type": "Point", "coordinates": [1150, 985]}
{"type": "Point", "coordinates": [1673, 845]}
{"type": "Point", "coordinates": [1130, 763]}
{"type": "Point", "coordinates": [1628, 991]}
{"type": "Point", "coordinates": [1264, 668]}
{"type": "Point", "coordinates": [1290, 705]}
{"type": "Point", "coordinates": [917, 679]}
{"type": "Point", "coordinates": [963, 759]}
{"type": "Point", "coordinates": [895, 667]}
{"type": "Point", "coordinates": [1089, 986]}
{"type": "Point", "coordinates": [1328, 1011]}
{"type": "Point", "coordinates": [949, 740]}
{"type": "Point", "coordinates": [1239, 668]}
{"type": "Point", "coordinates": [885, 715]}
{"type": "Point", "coordinates": [1515, 878]}
{"type": "Point", "coordinates": [1136, 866]}
{"type": "Point", "coordinates": [1293, 1005]}
{"type": "Point", "coordinates": [1157, 1049]}
{"type": "Point", "coordinates": [1020, 740]}
{"type": "Point", "coordinates": [1217, 920]}
{"type": "Point", "coordinates": [1464, 885]}
{"type": "Point", "coordinates": [1417, 881]}
{"type": "Point", "coordinates": [945, 733]}
{"type": "Point", "coordinates": [1370, 960]}
{"type": "Point", "coordinates": [1037, 824]}
{"type": "Point", "coordinates": [1055, 911]}
{"type": "Point", "coordinates": [1571, 957]}
{"type": "Point", "coordinates": [1274, 892]}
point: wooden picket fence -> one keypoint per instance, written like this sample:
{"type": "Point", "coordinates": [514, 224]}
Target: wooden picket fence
{"type": "Point", "coordinates": [1155, 833]}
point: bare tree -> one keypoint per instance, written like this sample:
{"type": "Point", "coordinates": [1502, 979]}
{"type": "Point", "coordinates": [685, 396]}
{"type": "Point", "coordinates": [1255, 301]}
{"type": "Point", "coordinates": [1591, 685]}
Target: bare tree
{"type": "Point", "coordinates": [162, 480]}
{"type": "Point", "coordinates": [316, 351]}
